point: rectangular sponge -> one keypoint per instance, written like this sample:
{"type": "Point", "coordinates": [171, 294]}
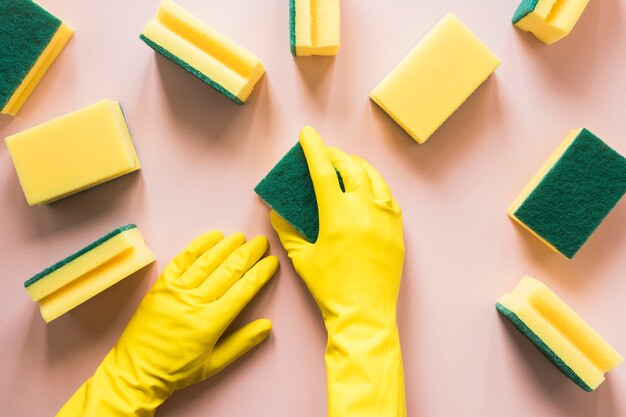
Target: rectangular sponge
{"type": "Point", "coordinates": [435, 78]}
{"type": "Point", "coordinates": [89, 271]}
{"type": "Point", "coordinates": [559, 333]}
{"type": "Point", "coordinates": [204, 52]}
{"type": "Point", "coordinates": [288, 190]}
{"type": "Point", "coordinates": [30, 41]}
{"type": "Point", "coordinates": [572, 193]}
{"type": "Point", "coordinates": [549, 20]}
{"type": "Point", "coordinates": [314, 27]}
{"type": "Point", "coordinates": [73, 152]}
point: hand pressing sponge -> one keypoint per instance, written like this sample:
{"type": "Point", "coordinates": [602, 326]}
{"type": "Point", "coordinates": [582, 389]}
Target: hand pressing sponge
{"type": "Point", "coordinates": [73, 152]}
{"type": "Point", "coordinates": [314, 27]}
{"type": "Point", "coordinates": [549, 20]}
{"type": "Point", "coordinates": [30, 41]}
{"type": "Point", "coordinates": [572, 193]}
{"type": "Point", "coordinates": [435, 78]}
{"type": "Point", "coordinates": [89, 271]}
{"type": "Point", "coordinates": [559, 333]}
{"type": "Point", "coordinates": [288, 190]}
{"type": "Point", "coordinates": [204, 52]}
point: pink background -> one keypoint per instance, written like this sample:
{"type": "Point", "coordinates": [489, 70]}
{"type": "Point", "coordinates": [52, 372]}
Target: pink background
{"type": "Point", "coordinates": [202, 156]}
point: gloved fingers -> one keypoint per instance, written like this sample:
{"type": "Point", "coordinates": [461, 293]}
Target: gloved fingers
{"type": "Point", "coordinates": [322, 171]}
{"type": "Point", "coordinates": [210, 260]}
{"type": "Point", "coordinates": [233, 268]}
{"type": "Point", "coordinates": [197, 247]}
{"type": "Point", "coordinates": [291, 239]}
{"type": "Point", "coordinates": [380, 189]}
{"type": "Point", "coordinates": [236, 344]}
{"type": "Point", "coordinates": [354, 177]}
{"type": "Point", "coordinates": [241, 292]}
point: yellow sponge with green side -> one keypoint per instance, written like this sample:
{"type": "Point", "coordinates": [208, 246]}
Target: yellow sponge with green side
{"type": "Point", "coordinates": [73, 152]}
{"type": "Point", "coordinates": [314, 27]}
{"type": "Point", "coordinates": [30, 41]}
{"type": "Point", "coordinates": [549, 20]}
{"type": "Point", "coordinates": [559, 333]}
{"type": "Point", "coordinates": [202, 51]}
{"type": "Point", "coordinates": [435, 78]}
{"type": "Point", "coordinates": [88, 272]}
{"type": "Point", "coordinates": [572, 193]}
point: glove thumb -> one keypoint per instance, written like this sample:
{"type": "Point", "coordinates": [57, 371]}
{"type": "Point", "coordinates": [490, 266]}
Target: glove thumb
{"type": "Point", "coordinates": [236, 344]}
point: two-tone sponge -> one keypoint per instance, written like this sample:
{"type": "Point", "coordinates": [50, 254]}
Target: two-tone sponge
{"type": "Point", "coordinates": [288, 190]}
{"type": "Point", "coordinates": [572, 193]}
{"type": "Point", "coordinates": [88, 272]}
{"type": "Point", "coordinates": [559, 333]}
{"type": "Point", "coordinates": [549, 20]}
{"type": "Point", "coordinates": [30, 41]}
{"type": "Point", "coordinates": [435, 78]}
{"type": "Point", "coordinates": [314, 27]}
{"type": "Point", "coordinates": [73, 152]}
{"type": "Point", "coordinates": [202, 51]}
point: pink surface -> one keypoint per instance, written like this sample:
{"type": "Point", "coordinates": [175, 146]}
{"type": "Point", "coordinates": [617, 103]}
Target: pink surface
{"type": "Point", "coordinates": [202, 156]}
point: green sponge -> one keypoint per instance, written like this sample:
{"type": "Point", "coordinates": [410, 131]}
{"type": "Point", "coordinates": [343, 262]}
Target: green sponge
{"type": "Point", "coordinates": [30, 40]}
{"type": "Point", "coordinates": [572, 193]}
{"type": "Point", "coordinates": [288, 190]}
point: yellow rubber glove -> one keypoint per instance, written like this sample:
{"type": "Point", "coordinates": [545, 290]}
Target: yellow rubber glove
{"type": "Point", "coordinates": [353, 271]}
{"type": "Point", "coordinates": [175, 337]}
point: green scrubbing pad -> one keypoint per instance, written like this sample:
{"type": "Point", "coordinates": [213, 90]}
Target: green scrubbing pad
{"type": "Point", "coordinates": [288, 190]}
{"type": "Point", "coordinates": [575, 195]}
{"type": "Point", "coordinates": [292, 27]}
{"type": "Point", "coordinates": [543, 348]}
{"type": "Point", "coordinates": [525, 7]}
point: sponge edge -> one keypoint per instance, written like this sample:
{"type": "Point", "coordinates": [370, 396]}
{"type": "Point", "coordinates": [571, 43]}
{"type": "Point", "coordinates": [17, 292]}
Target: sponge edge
{"type": "Point", "coordinates": [73, 152]}
{"type": "Point", "coordinates": [435, 78]}
{"type": "Point", "coordinates": [89, 271]}
{"type": "Point", "coordinates": [314, 27]}
{"type": "Point", "coordinates": [288, 190]}
{"type": "Point", "coordinates": [572, 193]}
{"type": "Point", "coordinates": [202, 51]}
{"type": "Point", "coordinates": [549, 20]}
{"type": "Point", "coordinates": [31, 40]}
{"type": "Point", "coordinates": [559, 333]}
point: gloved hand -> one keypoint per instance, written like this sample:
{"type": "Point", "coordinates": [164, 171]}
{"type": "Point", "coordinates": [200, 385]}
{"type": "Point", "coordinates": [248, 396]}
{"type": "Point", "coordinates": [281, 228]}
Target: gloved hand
{"type": "Point", "coordinates": [353, 271]}
{"type": "Point", "coordinates": [175, 337]}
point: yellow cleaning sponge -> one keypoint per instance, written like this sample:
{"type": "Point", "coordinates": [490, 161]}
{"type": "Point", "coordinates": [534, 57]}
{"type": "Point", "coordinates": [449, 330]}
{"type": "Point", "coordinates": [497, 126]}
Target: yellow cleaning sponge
{"type": "Point", "coordinates": [559, 333]}
{"type": "Point", "coordinates": [314, 27]}
{"type": "Point", "coordinates": [73, 152]}
{"type": "Point", "coordinates": [204, 52]}
{"type": "Point", "coordinates": [435, 78]}
{"type": "Point", "coordinates": [30, 41]}
{"type": "Point", "coordinates": [549, 20]}
{"type": "Point", "coordinates": [89, 271]}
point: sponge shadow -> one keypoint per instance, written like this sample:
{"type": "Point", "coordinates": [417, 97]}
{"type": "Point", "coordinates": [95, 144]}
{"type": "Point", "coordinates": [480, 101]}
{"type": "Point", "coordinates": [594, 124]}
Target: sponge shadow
{"type": "Point", "coordinates": [316, 73]}
{"type": "Point", "coordinates": [561, 64]}
{"type": "Point", "coordinates": [196, 104]}
{"type": "Point", "coordinates": [548, 380]}
{"type": "Point", "coordinates": [459, 134]}
{"type": "Point", "coordinates": [604, 243]}
{"type": "Point", "coordinates": [78, 209]}
{"type": "Point", "coordinates": [98, 317]}
{"type": "Point", "coordinates": [5, 121]}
